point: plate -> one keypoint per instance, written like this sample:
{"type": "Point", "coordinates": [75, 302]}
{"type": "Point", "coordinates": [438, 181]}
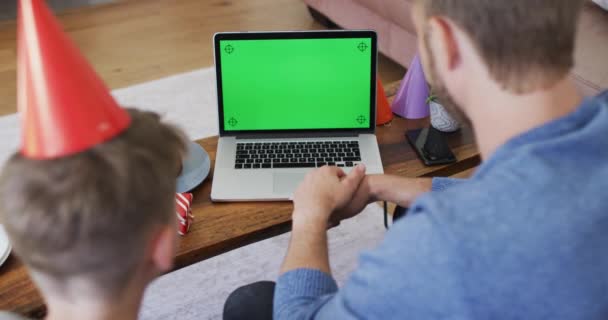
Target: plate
{"type": "Point", "coordinates": [602, 3]}
{"type": "Point", "coordinates": [5, 246]}
{"type": "Point", "coordinates": [195, 168]}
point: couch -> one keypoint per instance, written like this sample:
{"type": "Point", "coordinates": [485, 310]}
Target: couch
{"type": "Point", "coordinates": [397, 37]}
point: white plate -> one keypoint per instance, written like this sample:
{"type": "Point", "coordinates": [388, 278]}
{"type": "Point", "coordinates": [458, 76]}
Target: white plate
{"type": "Point", "coordinates": [602, 3]}
{"type": "Point", "coordinates": [5, 246]}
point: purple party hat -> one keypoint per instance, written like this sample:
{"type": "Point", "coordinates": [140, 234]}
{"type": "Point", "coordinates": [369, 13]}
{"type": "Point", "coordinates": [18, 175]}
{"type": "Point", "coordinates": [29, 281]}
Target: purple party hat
{"type": "Point", "coordinates": [410, 101]}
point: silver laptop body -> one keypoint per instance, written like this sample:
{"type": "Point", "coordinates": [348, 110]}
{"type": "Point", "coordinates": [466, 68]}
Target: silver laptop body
{"type": "Point", "coordinates": [290, 102]}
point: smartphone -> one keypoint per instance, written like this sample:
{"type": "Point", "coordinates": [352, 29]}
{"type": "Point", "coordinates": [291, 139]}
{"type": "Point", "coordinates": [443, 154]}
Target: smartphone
{"type": "Point", "coordinates": [431, 146]}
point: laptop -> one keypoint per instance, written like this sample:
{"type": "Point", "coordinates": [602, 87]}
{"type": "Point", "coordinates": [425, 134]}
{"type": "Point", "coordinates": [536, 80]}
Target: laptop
{"type": "Point", "coordinates": [290, 102]}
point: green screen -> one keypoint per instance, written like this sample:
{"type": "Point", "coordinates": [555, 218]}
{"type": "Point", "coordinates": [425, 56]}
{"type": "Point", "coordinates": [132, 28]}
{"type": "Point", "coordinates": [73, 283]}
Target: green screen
{"type": "Point", "coordinates": [296, 83]}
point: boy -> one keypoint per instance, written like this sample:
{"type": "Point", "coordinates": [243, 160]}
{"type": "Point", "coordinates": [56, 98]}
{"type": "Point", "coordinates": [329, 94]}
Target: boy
{"type": "Point", "coordinates": [89, 200]}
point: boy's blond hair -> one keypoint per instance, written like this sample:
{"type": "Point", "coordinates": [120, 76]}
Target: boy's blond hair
{"type": "Point", "coordinates": [90, 214]}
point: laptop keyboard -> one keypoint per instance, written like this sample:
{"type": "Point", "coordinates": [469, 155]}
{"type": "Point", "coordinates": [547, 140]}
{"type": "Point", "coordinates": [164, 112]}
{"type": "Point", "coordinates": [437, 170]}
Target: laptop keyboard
{"type": "Point", "coordinates": [269, 155]}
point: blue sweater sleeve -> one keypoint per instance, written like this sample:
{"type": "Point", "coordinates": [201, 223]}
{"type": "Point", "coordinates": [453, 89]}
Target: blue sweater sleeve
{"type": "Point", "coordinates": [440, 183]}
{"type": "Point", "coordinates": [312, 294]}
{"type": "Point", "coordinates": [411, 273]}
{"type": "Point", "coordinates": [299, 293]}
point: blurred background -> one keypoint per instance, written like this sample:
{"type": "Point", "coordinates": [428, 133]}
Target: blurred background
{"type": "Point", "coordinates": [8, 9]}
{"type": "Point", "coordinates": [135, 41]}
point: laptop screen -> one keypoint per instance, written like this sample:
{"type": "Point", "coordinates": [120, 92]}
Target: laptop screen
{"type": "Point", "coordinates": [296, 84]}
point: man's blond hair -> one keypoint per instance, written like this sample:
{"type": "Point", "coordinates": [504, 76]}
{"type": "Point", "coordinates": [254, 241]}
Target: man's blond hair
{"type": "Point", "coordinates": [521, 41]}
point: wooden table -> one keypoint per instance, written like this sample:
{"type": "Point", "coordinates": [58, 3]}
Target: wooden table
{"type": "Point", "coordinates": [221, 227]}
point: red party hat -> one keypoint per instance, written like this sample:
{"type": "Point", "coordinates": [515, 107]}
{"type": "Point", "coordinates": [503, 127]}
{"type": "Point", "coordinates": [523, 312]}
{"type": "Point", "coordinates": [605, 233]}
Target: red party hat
{"type": "Point", "coordinates": [384, 114]}
{"type": "Point", "coordinates": [65, 107]}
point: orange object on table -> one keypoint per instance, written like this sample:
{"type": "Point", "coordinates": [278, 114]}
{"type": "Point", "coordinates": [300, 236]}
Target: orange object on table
{"type": "Point", "coordinates": [384, 114]}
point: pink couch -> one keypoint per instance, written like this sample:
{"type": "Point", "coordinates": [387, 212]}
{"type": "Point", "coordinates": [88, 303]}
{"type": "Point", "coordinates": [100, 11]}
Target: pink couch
{"type": "Point", "coordinates": [397, 40]}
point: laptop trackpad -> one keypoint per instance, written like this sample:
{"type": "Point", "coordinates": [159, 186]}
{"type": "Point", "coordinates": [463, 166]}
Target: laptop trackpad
{"type": "Point", "coordinates": [285, 183]}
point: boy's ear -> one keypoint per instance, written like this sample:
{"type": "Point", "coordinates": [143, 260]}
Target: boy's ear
{"type": "Point", "coordinates": [164, 248]}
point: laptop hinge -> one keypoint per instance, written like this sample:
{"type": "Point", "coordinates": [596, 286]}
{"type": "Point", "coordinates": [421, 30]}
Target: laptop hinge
{"type": "Point", "coordinates": [298, 135]}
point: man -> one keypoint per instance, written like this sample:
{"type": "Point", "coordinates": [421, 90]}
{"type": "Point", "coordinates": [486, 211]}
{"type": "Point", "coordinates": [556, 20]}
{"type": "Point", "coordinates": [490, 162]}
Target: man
{"type": "Point", "coordinates": [524, 238]}
{"type": "Point", "coordinates": [89, 200]}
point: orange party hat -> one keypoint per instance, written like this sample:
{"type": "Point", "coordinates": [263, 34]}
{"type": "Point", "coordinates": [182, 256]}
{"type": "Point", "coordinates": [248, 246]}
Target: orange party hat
{"type": "Point", "coordinates": [384, 114]}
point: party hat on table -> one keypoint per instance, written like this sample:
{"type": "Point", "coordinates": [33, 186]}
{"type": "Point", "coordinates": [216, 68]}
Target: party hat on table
{"type": "Point", "coordinates": [65, 107]}
{"type": "Point", "coordinates": [384, 114]}
{"type": "Point", "coordinates": [410, 101]}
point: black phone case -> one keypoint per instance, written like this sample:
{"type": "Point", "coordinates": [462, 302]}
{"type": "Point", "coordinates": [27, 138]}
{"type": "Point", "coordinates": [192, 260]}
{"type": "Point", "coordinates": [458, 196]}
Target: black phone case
{"type": "Point", "coordinates": [431, 146]}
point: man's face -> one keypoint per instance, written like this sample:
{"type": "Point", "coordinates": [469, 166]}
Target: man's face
{"type": "Point", "coordinates": [427, 57]}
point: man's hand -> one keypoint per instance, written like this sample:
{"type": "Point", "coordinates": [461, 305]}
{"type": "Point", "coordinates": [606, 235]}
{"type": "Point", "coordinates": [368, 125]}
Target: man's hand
{"type": "Point", "coordinates": [328, 192]}
{"type": "Point", "coordinates": [399, 190]}
{"type": "Point", "coordinates": [324, 191]}
{"type": "Point", "coordinates": [361, 199]}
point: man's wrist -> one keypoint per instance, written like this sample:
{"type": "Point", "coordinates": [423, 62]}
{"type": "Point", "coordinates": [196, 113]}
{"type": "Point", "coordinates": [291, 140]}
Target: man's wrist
{"type": "Point", "coordinates": [308, 246]}
{"type": "Point", "coordinates": [375, 188]}
{"type": "Point", "coordinates": [402, 191]}
{"type": "Point", "coordinates": [314, 219]}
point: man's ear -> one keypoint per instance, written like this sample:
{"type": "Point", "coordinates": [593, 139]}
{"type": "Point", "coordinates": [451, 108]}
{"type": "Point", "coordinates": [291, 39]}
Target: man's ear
{"type": "Point", "coordinates": [164, 248]}
{"type": "Point", "coordinates": [444, 44]}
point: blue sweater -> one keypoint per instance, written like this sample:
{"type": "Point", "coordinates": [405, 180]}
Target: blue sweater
{"type": "Point", "coordinates": [525, 238]}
